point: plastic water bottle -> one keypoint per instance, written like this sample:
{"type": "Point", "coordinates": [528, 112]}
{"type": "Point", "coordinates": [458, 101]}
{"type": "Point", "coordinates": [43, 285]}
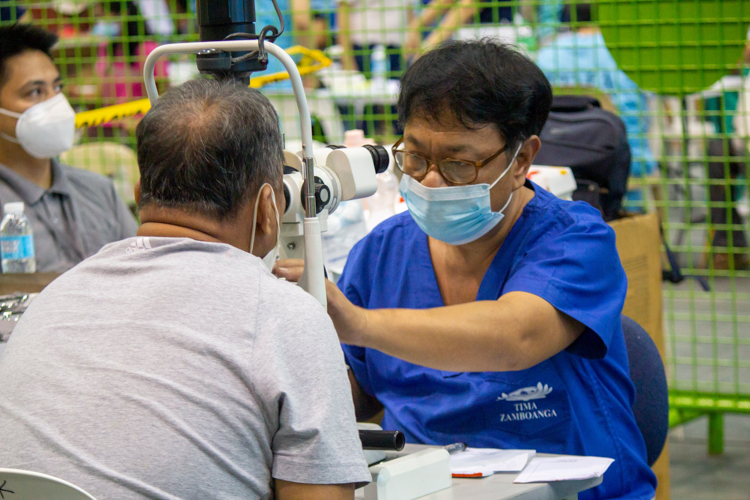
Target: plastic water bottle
{"type": "Point", "coordinates": [379, 65]}
{"type": "Point", "coordinates": [16, 240]}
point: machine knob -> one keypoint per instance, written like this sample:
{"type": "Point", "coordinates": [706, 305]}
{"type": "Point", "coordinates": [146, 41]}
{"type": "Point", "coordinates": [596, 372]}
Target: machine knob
{"type": "Point", "coordinates": [322, 196]}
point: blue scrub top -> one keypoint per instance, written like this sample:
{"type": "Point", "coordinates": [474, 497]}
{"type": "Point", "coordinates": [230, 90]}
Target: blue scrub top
{"type": "Point", "coordinates": [577, 402]}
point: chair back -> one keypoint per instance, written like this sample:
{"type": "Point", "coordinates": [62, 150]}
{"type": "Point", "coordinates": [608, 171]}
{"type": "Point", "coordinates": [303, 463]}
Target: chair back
{"type": "Point", "coordinates": [27, 485]}
{"type": "Point", "coordinates": [651, 406]}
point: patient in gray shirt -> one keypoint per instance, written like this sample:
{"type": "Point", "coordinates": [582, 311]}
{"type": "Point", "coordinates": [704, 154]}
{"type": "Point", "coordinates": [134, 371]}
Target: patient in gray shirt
{"type": "Point", "coordinates": [174, 364]}
{"type": "Point", "coordinates": [169, 367]}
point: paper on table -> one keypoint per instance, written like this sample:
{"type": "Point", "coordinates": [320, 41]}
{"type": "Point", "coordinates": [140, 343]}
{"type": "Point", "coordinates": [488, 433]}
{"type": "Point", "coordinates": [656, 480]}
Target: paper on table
{"type": "Point", "coordinates": [545, 470]}
{"type": "Point", "coordinates": [482, 462]}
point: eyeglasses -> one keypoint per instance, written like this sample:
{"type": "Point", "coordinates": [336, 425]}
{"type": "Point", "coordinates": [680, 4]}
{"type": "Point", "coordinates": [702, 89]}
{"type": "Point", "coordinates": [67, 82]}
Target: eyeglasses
{"type": "Point", "coordinates": [454, 171]}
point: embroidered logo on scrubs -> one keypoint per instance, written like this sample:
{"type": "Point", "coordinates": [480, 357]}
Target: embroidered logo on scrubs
{"type": "Point", "coordinates": [537, 391]}
{"type": "Point", "coordinates": [139, 245]}
{"type": "Point", "coordinates": [526, 408]}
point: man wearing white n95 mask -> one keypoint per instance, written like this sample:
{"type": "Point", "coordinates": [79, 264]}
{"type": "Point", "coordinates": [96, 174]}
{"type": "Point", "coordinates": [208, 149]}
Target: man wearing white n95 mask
{"type": "Point", "coordinates": [182, 367]}
{"type": "Point", "coordinates": [73, 212]}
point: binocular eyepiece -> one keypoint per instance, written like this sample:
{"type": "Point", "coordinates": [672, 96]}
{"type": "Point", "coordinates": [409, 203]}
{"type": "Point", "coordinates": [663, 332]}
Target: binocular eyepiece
{"type": "Point", "coordinates": [340, 174]}
{"type": "Point", "coordinates": [380, 158]}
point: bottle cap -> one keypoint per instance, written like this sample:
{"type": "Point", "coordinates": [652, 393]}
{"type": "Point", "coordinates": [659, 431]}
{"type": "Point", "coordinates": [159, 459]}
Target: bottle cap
{"type": "Point", "coordinates": [13, 208]}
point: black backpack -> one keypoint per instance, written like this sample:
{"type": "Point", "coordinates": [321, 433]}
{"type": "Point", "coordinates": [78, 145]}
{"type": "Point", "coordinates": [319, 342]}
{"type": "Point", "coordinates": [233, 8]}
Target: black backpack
{"type": "Point", "coordinates": [593, 142]}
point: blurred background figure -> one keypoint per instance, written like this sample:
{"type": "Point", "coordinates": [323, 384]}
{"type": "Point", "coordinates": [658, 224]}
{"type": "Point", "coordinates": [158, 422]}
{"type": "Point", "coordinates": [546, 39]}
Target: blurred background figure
{"type": "Point", "coordinates": [580, 59]}
{"type": "Point", "coordinates": [120, 65]}
{"type": "Point", "coordinates": [363, 25]}
{"type": "Point", "coordinates": [10, 11]}
{"type": "Point", "coordinates": [528, 23]}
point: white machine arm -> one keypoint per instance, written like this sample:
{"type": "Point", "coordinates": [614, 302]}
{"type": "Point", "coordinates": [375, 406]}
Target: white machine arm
{"type": "Point", "coordinates": [313, 280]}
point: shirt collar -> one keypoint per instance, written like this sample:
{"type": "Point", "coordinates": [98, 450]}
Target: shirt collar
{"type": "Point", "coordinates": [29, 192]}
{"type": "Point", "coordinates": [60, 182]}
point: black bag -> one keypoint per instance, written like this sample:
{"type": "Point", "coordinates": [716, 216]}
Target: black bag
{"type": "Point", "coordinates": [591, 141]}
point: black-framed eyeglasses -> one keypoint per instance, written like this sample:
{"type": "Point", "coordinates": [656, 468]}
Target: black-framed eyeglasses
{"type": "Point", "coordinates": [454, 171]}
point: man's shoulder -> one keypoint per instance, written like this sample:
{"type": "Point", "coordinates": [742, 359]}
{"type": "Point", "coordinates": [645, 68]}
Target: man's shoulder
{"type": "Point", "coordinates": [89, 185]}
{"type": "Point", "coordinates": [549, 221]}
{"type": "Point", "coordinates": [91, 180]}
{"type": "Point", "coordinates": [80, 173]}
{"type": "Point", "coordinates": [548, 211]}
{"type": "Point", "coordinates": [293, 304]}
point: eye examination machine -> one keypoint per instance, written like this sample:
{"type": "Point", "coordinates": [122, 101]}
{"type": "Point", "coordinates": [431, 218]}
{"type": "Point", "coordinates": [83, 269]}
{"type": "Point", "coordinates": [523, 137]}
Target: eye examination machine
{"type": "Point", "coordinates": [315, 183]}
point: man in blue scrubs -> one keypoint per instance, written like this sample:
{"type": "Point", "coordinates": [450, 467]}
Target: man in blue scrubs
{"type": "Point", "coordinates": [489, 313]}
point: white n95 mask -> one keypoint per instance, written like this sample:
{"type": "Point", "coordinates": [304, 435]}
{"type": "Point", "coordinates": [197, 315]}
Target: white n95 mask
{"type": "Point", "coordinates": [46, 129]}
{"type": "Point", "coordinates": [270, 259]}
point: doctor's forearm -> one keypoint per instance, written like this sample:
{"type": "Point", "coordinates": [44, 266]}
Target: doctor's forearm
{"type": "Point", "coordinates": [456, 338]}
{"type": "Point", "coordinates": [515, 332]}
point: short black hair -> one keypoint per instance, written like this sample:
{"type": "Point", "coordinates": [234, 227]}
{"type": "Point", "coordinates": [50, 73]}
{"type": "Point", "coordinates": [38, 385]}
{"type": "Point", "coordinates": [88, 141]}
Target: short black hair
{"type": "Point", "coordinates": [207, 147]}
{"type": "Point", "coordinates": [478, 82]}
{"type": "Point", "coordinates": [18, 38]}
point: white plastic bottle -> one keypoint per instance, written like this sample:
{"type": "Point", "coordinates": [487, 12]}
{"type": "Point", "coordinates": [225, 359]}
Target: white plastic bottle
{"type": "Point", "coordinates": [382, 204]}
{"type": "Point", "coordinates": [16, 240]}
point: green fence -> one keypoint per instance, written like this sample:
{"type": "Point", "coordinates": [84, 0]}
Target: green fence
{"type": "Point", "coordinates": [673, 70]}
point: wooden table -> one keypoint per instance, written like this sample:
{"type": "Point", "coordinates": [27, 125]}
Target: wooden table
{"type": "Point", "coordinates": [29, 283]}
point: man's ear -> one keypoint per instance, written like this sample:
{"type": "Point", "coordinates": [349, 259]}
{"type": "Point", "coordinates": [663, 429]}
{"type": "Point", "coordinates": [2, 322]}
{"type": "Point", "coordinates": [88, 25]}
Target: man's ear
{"type": "Point", "coordinates": [527, 153]}
{"type": "Point", "coordinates": [137, 192]}
{"type": "Point", "coordinates": [266, 211]}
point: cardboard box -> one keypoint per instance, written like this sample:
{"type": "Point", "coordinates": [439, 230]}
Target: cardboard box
{"type": "Point", "coordinates": [639, 246]}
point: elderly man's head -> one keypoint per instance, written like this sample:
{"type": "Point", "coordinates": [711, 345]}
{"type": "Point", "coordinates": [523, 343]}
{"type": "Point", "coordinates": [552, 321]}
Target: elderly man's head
{"type": "Point", "coordinates": [205, 150]}
{"type": "Point", "coordinates": [207, 147]}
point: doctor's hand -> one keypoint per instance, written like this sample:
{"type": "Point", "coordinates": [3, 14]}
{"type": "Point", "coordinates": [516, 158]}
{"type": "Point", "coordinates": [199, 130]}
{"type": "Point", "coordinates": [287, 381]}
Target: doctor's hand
{"type": "Point", "coordinates": [349, 320]}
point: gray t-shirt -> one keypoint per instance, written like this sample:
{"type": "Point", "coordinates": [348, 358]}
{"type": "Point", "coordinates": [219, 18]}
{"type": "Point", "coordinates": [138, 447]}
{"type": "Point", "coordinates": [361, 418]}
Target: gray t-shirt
{"type": "Point", "coordinates": [73, 219]}
{"type": "Point", "coordinates": [172, 368]}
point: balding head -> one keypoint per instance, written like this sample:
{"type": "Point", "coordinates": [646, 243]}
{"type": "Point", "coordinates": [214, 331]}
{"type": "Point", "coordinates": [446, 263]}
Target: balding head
{"type": "Point", "coordinates": [207, 146]}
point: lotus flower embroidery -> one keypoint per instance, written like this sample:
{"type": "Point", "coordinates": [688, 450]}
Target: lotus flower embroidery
{"type": "Point", "coordinates": [537, 391]}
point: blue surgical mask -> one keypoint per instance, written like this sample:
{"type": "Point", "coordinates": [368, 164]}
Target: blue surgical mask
{"type": "Point", "coordinates": [455, 215]}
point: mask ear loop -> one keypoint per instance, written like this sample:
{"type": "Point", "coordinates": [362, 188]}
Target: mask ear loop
{"type": "Point", "coordinates": [9, 138]}
{"type": "Point", "coordinates": [255, 214]}
{"type": "Point", "coordinates": [509, 165]}
{"type": "Point", "coordinates": [12, 115]}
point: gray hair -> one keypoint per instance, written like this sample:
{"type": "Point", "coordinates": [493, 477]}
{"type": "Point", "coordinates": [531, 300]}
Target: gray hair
{"type": "Point", "coordinates": [208, 146]}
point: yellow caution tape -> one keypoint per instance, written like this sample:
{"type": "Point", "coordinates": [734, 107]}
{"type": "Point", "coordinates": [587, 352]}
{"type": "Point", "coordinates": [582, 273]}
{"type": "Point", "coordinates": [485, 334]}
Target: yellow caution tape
{"type": "Point", "coordinates": [313, 60]}
{"type": "Point", "coordinates": [96, 117]}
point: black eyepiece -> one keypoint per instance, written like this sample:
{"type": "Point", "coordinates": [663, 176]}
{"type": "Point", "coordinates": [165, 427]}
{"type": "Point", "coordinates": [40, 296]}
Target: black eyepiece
{"type": "Point", "coordinates": [382, 440]}
{"type": "Point", "coordinates": [379, 158]}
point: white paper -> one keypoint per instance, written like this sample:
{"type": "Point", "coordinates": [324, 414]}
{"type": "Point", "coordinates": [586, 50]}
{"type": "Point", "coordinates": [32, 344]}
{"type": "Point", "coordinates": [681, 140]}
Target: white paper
{"type": "Point", "coordinates": [545, 470]}
{"type": "Point", "coordinates": [487, 461]}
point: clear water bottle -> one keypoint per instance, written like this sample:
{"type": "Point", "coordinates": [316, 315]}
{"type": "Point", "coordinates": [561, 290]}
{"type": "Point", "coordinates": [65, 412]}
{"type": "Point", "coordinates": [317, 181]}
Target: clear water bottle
{"type": "Point", "coordinates": [379, 64]}
{"type": "Point", "coordinates": [16, 240]}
